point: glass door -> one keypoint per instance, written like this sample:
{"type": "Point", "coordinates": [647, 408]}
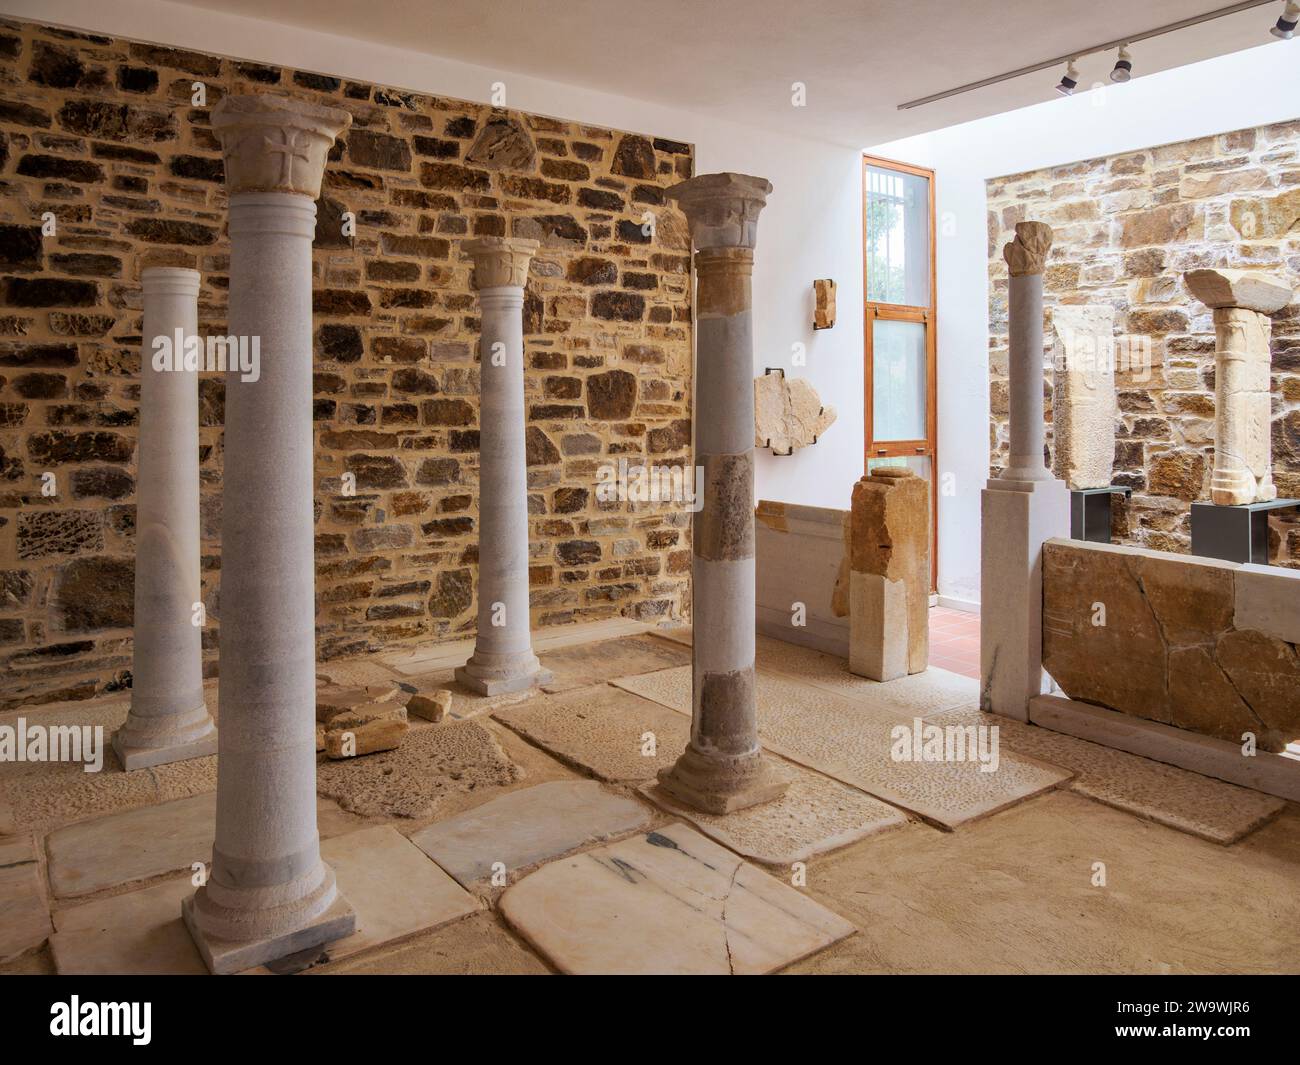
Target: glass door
{"type": "Point", "coordinates": [898, 272]}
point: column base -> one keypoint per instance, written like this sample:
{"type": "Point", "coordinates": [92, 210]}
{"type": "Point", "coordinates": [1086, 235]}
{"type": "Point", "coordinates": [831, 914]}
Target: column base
{"type": "Point", "coordinates": [235, 955]}
{"type": "Point", "coordinates": [507, 674]}
{"type": "Point", "coordinates": [717, 785]}
{"type": "Point", "coordinates": [142, 756]}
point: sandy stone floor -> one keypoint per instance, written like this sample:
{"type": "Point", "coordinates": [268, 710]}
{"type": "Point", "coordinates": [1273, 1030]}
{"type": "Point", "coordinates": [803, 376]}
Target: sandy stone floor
{"type": "Point", "coordinates": [1084, 861]}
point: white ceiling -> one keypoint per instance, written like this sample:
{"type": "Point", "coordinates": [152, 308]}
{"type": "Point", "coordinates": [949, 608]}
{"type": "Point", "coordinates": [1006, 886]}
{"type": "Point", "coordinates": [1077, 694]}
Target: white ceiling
{"type": "Point", "coordinates": [736, 59]}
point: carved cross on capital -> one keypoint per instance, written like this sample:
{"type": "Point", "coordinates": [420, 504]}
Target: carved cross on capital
{"type": "Point", "coordinates": [276, 144]}
{"type": "Point", "coordinates": [499, 261]}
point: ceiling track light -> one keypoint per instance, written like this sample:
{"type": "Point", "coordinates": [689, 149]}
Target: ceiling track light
{"type": "Point", "coordinates": [1285, 28]}
{"type": "Point", "coordinates": [1286, 24]}
{"type": "Point", "coordinates": [1123, 65]}
{"type": "Point", "coordinates": [1069, 80]}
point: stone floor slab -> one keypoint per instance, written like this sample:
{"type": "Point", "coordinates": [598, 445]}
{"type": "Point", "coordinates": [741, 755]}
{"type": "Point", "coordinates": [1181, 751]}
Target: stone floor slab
{"type": "Point", "coordinates": [815, 815]}
{"type": "Point", "coordinates": [1212, 809]}
{"type": "Point", "coordinates": [476, 946]}
{"type": "Point", "coordinates": [666, 902]}
{"type": "Point", "coordinates": [136, 845]}
{"type": "Point", "coordinates": [528, 826]}
{"type": "Point", "coordinates": [139, 933]}
{"type": "Point", "coordinates": [434, 764]}
{"type": "Point", "coordinates": [614, 734]}
{"type": "Point", "coordinates": [24, 913]}
{"type": "Point", "coordinates": [394, 888]}
{"type": "Point", "coordinates": [928, 692]}
{"type": "Point", "coordinates": [595, 663]}
{"type": "Point", "coordinates": [851, 740]}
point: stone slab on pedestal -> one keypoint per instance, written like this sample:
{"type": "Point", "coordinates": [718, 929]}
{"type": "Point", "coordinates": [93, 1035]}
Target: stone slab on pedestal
{"type": "Point", "coordinates": [889, 583]}
{"type": "Point", "coordinates": [528, 826]}
{"type": "Point", "coordinates": [666, 902]}
{"type": "Point", "coordinates": [1084, 408]}
{"type": "Point", "coordinates": [136, 845]}
{"type": "Point", "coordinates": [604, 731]}
{"type": "Point", "coordinates": [815, 815]}
{"type": "Point", "coordinates": [1016, 517]}
{"type": "Point", "coordinates": [24, 913]}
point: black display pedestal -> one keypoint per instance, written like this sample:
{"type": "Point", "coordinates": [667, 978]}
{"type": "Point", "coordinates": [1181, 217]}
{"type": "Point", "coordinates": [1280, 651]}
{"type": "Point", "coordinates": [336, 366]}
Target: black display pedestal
{"type": "Point", "coordinates": [1236, 534]}
{"type": "Point", "coordinates": [1090, 513]}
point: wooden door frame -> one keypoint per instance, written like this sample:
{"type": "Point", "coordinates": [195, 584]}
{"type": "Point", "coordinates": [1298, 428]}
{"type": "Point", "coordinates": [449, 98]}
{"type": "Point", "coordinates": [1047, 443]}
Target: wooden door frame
{"type": "Point", "coordinates": [897, 312]}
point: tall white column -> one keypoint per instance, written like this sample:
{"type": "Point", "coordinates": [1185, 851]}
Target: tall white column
{"type": "Point", "coordinates": [268, 893]}
{"type": "Point", "coordinates": [169, 720]}
{"type": "Point", "coordinates": [503, 659]}
{"type": "Point", "coordinates": [723, 768]}
{"type": "Point", "coordinates": [1021, 507]}
{"type": "Point", "coordinates": [1241, 300]}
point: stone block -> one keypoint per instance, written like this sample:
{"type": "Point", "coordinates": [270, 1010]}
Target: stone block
{"type": "Point", "coordinates": [1083, 395]}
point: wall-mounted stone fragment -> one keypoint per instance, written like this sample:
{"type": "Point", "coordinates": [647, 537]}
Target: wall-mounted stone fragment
{"type": "Point", "coordinates": [788, 413]}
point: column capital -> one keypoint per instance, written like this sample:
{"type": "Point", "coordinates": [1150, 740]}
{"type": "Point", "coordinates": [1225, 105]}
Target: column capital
{"type": "Point", "coordinates": [1028, 252]}
{"type": "Point", "coordinates": [274, 143]}
{"type": "Point", "coordinates": [499, 261]}
{"type": "Point", "coordinates": [722, 209]}
{"type": "Point", "coordinates": [1248, 290]}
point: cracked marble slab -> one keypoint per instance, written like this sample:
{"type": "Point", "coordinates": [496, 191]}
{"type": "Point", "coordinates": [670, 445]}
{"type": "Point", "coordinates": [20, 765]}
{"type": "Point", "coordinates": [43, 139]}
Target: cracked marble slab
{"type": "Point", "coordinates": [666, 902]}
{"type": "Point", "coordinates": [851, 741]}
{"type": "Point", "coordinates": [1211, 809]}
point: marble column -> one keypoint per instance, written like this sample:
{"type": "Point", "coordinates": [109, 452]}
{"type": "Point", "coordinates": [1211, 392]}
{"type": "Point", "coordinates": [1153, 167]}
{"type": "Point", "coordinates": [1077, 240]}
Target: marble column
{"type": "Point", "coordinates": [268, 894]}
{"type": "Point", "coordinates": [1241, 300]}
{"type": "Point", "coordinates": [723, 768]}
{"type": "Point", "coordinates": [503, 659]}
{"type": "Point", "coordinates": [1021, 507]}
{"type": "Point", "coordinates": [169, 720]}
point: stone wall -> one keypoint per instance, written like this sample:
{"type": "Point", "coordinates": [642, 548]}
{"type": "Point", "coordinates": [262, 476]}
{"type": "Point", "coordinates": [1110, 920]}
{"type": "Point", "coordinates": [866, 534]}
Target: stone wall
{"type": "Point", "coordinates": [105, 136]}
{"type": "Point", "coordinates": [1126, 228]}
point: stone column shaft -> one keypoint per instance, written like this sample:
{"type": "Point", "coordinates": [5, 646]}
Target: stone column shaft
{"type": "Point", "coordinates": [503, 659]}
{"type": "Point", "coordinates": [169, 720]}
{"type": "Point", "coordinates": [723, 768]}
{"type": "Point", "coordinates": [1241, 300]}
{"type": "Point", "coordinates": [1021, 507]}
{"type": "Point", "coordinates": [268, 893]}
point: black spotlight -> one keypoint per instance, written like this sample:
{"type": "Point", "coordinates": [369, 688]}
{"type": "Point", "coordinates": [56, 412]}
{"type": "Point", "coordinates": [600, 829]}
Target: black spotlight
{"type": "Point", "coordinates": [1069, 80]}
{"type": "Point", "coordinates": [1123, 66]}
{"type": "Point", "coordinates": [1286, 25]}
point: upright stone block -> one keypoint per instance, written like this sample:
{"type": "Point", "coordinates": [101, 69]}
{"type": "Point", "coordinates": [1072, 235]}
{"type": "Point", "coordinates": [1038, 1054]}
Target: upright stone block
{"type": "Point", "coordinates": [1243, 456]}
{"type": "Point", "coordinates": [1023, 506]}
{"type": "Point", "coordinates": [503, 659]}
{"type": "Point", "coordinates": [723, 768]}
{"type": "Point", "coordinates": [169, 719]}
{"type": "Point", "coordinates": [268, 893]}
{"type": "Point", "coordinates": [889, 578]}
{"type": "Point", "coordinates": [1083, 395]}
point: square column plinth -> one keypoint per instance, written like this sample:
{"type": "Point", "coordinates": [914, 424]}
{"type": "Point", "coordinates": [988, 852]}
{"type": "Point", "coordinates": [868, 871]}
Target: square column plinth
{"type": "Point", "coordinates": [1016, 517]}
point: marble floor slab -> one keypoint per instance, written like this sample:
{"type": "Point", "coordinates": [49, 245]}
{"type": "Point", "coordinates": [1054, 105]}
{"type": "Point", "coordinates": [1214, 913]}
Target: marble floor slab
{"type": "Point", "coordinates": [1211, 809]}
{"type": "Point", "coordinates": [603, 730]}
{"type": "Point", "coordinates": [528, 826]}
{"type": "Point", "coordinates": [137, 934]}
{"type": "Point", "coordinates": [135, 845]}
{"type": "Point", "coordinates": [853, 742]}
{"type": "Point", "coordinates": [394, 888]}
{"type": "Point", "coordinates": [24, 912]}
{"type": "Point", "coordinates": [595, 663]}
{"type": "Point", "coordinates": [666, 902]}
{"type": "Point", "coordinates": [475, 946]}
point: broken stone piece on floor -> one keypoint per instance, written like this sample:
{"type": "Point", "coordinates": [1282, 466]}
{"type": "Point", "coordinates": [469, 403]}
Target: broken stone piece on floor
{"type": "Point", "coordinates": [788, 413]}
{"type": "Point", "coordinates": [889, 578]}
{"type": "Point", "coordinates": [333, 699]}
{"type": "Point", "coordinates": [350, 736]}
{"type": "Point", "coordinates": [431, 707]}
{"type": "Point", "coordinates": [1084, 407]}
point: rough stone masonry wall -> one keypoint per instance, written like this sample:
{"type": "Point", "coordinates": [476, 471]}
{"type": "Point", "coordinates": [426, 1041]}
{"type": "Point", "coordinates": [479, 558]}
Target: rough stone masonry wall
{"type": "Point", "coordinates": [1126, 227]}
{"type": "Point", "coordinates": [102, 133]}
